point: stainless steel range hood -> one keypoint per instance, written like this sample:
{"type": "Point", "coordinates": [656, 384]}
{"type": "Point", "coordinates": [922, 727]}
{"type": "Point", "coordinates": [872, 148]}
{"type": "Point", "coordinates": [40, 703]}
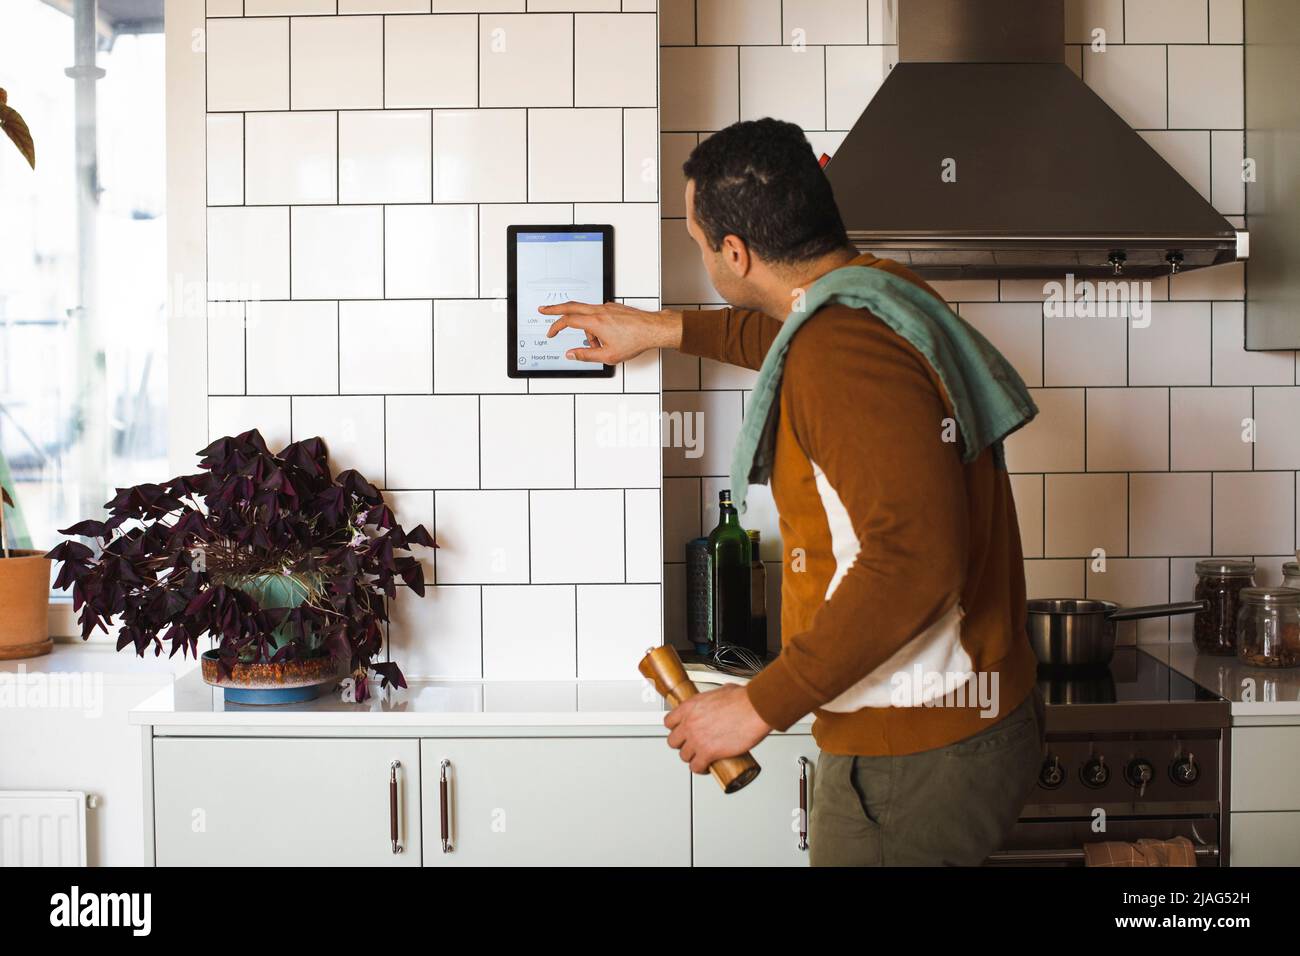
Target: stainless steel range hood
{"type": "Point", "coordinates": [983, 156]}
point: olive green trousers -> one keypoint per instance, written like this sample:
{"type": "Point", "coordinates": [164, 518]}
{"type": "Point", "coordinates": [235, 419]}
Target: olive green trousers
{"type": "Point", "coordinates": [951, 806]}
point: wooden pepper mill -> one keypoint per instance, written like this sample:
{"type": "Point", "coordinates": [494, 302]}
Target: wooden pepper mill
{"type": "Point", "coordinates": [663, 668]}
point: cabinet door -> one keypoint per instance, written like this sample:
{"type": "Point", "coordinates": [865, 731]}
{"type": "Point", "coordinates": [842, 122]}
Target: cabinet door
{"type": "Point", "coordinates": [1264, 839]}
{"type": "Point", "coordinates": [1265, 773]}
{"type": "Point", "coordinates": [759, 825]}
{"type": "Point", "coordinates": [613, 801]}
{"type": "Point", "coordinates": [302, 802]}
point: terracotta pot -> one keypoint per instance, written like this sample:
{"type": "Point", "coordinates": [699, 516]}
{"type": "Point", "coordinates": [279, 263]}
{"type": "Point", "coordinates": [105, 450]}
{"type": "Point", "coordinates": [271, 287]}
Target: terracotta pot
{"type": "Point", "coordinates": [24, 604]}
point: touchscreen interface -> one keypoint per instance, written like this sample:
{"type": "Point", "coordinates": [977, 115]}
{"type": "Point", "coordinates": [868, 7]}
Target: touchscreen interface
{"type": "Point", "coordinates": [554, 267]}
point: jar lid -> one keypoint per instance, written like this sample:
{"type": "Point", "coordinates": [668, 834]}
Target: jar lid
{"type": "Point", "coordinates": [1291, 569]}
{"type": "Point", "coordinates": [1270, 597]}
{"type": "Point", "coordinates": [1226, 568]}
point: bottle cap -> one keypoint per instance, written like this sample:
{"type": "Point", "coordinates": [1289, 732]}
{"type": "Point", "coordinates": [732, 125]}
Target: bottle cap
{"type": "Point", "coordinates": [724, 496]}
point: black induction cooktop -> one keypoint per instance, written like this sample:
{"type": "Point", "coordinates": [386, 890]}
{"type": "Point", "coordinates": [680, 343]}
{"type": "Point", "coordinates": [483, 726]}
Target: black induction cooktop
{"type": "Point", "coordinates": [1132, 677]}
{"type": "Point", "coordinates": [1136, 690]}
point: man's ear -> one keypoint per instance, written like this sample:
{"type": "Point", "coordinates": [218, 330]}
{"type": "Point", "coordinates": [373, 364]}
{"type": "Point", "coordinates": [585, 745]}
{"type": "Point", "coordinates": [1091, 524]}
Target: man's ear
{"type": "Point", "coordinates": [735, 253]}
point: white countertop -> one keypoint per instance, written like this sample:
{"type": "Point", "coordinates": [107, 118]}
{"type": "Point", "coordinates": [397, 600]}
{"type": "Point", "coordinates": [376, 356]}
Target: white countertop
{"type": "Point", "coordinates": [457, 707]}
{"type": "Point", "coordinates": [103, 659]}
{"type": "Point", "coordinates": [1254, 692]}
{"type": "Point", "coordinates": [425, 703]}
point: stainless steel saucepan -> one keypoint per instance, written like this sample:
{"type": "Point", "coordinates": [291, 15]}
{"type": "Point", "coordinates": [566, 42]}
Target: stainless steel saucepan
{"type": "Point", "coordinates": [1080, 633]}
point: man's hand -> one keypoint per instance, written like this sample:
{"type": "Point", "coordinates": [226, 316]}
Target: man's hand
{"type": "Point", "coordinates": [716, 724]}
{"type": "Point", "coordinates": [616, 332]}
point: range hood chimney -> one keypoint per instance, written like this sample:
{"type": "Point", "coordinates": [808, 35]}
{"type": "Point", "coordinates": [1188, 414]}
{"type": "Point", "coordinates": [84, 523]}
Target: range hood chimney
{"type": "Point", "coordinates": [983, 156]}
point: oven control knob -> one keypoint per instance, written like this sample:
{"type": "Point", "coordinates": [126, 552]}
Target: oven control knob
{"type": "Point", "coordinates": [1185, 771]}
{"type": "Point", "coordinates": [1051, 776]}
{"type": "Point", "coordinates": [1138, 773]}
{"type": "Point", "coordinates": [1095, 773]}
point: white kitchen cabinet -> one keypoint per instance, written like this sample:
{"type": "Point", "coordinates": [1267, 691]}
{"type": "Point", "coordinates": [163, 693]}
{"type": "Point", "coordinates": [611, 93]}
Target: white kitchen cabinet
{"type": "Point", "coordinates": [759, 825]}
{"type": "Point", "coordinates": [1265, 773]}
{"type": "Point", "coordinates": [1264, 797]}
{"type": "Point", "coordinates": [612, 801]}
{"type": "Point", "coordinates": [222, 801]}
{"type": "Point", "coordinates": [1265, 839]}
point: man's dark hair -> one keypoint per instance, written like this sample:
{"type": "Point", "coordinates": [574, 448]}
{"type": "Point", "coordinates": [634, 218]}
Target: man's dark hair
{"type": "Point", "coordinates": [759, 180]}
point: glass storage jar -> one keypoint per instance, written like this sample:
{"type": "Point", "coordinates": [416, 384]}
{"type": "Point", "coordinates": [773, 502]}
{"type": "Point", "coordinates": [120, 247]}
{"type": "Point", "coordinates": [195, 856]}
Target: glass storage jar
{"type": "Point", "coordinates": [1268, 627]}
{"type": "Point", "coordinates": [1218, 583]}
{"type": "Point", "coordinates": [1291, 574]}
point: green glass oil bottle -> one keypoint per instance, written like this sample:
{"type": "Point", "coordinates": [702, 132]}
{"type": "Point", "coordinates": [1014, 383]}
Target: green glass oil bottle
{"type": "Point", "coordinates": [757, 597]}
{"type": "Point", "coordinates": [729, 557]}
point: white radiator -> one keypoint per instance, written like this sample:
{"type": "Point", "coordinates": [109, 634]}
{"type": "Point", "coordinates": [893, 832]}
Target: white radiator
{"type": "Point", "coordinates": [42, 828]}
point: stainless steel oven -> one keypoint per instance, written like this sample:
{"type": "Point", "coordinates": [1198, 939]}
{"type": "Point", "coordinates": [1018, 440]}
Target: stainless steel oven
{"type": "Point", "coordinates": [1136, 751]}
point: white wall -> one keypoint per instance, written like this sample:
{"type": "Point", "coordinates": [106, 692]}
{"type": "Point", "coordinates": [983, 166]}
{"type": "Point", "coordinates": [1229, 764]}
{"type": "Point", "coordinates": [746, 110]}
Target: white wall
{"type": "Point", "coordinates": [1138, 448]}
{"type": "Point", "coordinates": [363, 159]}
{"type": "Point", "coordinates": [64, 726]}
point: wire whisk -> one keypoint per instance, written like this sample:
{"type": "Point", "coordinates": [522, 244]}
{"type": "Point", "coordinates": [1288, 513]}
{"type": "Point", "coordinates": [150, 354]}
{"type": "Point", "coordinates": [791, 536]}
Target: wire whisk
{"type": "Point", "coordinates": [734, 659]}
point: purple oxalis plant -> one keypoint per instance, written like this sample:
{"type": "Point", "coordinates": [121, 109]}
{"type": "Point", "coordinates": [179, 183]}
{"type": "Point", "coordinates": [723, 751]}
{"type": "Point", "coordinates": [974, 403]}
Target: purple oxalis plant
{"type": "Point", "coordinates": [174, 560]}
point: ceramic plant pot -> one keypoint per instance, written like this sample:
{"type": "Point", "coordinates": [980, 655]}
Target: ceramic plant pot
{"type": "Point", "coordinates": [287, 682]}
{"type": "Point", "coordinates": [24, 605]}
{"type": "Point", "coordinates": [267, 683]}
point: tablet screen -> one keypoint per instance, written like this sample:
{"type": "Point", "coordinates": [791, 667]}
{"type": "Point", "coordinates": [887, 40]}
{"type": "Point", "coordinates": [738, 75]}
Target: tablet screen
{"type": "Point", "coordinates": [551, 265]}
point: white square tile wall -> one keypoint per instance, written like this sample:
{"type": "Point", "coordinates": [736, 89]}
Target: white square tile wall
{"type": "Point", "coordinates": [428, 251]}
{"type": "Point", "coordinates": [309, 331]}
{"type": "Point", "coordinates": [364, 158]}
{"type": "Point", "coordinates": [431, 61]}
{"type": "Point", "coordinates": [526, 60]}
{"type": "Point", "coordinates": [338, 252]}
{"type": "Point", "coordinates": [247, 64]}
{"type": "Point", "coordinates": [225, 157]}
{"type": "Point", "coordinates": [1138, 447]}
{"type": "Point", "coordinates": [336, 62]}
{"type": "Point", "coordinates": [479, 156]}
{"type": "Point", "coordinates": [557, 172]}
{"type": "Point", "coordinates": [617, 60]}
{"type": "Point", "coordinates": [386, 346]}
{"type": "Point", "coordinates": [290, 158]}
{"type": "Point", "coordinates": [385, 156]}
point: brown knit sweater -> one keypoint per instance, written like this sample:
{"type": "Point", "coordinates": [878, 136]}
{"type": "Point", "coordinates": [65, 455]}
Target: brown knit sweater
{"type": "Point", "coordinates": [902, 587]}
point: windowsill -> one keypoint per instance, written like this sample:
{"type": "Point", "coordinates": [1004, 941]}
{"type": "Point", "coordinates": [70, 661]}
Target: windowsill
{"type": "Point", "coordinates": [64, 628]}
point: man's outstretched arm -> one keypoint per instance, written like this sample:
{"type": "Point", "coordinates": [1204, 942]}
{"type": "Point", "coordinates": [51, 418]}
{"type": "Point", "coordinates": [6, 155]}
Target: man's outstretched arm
{"type": "Point", "coordinates": [619, 332]}
{"type": "Point", "coordinates": [735, 336]}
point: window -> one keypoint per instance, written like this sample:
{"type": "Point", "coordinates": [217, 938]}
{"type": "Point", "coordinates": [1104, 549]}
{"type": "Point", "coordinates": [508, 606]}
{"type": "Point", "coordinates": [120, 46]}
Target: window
{"type": "Point", "coordinates": [83, 347]}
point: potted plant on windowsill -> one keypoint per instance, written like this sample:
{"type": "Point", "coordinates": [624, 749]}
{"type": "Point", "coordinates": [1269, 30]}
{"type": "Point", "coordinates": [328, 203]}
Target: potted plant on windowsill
{"type": "Point", "coordinates": [24, 592]}
{"type": "Point", "coordinates": [24, 574]}
{"type": "Point", "coordinates": [285, 566]}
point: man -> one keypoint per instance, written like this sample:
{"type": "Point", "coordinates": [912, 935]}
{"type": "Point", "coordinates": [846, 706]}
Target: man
{"type": "Point", "coordinates": [900, 557]}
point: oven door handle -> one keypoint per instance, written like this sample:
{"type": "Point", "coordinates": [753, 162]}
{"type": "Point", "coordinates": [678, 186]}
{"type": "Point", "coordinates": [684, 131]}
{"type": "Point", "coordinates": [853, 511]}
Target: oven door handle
{"type": "Point", "coordinates": [1073, 855]}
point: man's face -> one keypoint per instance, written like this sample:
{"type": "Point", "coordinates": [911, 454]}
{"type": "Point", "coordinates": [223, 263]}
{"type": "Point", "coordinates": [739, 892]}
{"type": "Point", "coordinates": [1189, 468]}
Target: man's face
{"type": "Point", "coordinates": [727, 274]}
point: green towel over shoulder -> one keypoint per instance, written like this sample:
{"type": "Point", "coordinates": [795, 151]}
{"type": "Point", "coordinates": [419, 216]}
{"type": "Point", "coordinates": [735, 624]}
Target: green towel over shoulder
{"type": "Point", "coordinates": [988, 397]}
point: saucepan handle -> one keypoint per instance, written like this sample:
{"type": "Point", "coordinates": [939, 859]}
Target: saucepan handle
{"type": "Point", "coordinates": [1157, 610]}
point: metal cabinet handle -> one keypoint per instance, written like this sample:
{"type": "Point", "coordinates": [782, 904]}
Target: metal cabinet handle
{"type": "Point", "coordinates": [392, 805]}
{"type": "Point", "coordinates": [443, 801]}
{"type": "Point", "coordinates": [803, 803]}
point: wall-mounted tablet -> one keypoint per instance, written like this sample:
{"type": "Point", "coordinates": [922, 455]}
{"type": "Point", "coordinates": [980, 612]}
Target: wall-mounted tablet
{"type": "Point", "coordinates": [547, 265]}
